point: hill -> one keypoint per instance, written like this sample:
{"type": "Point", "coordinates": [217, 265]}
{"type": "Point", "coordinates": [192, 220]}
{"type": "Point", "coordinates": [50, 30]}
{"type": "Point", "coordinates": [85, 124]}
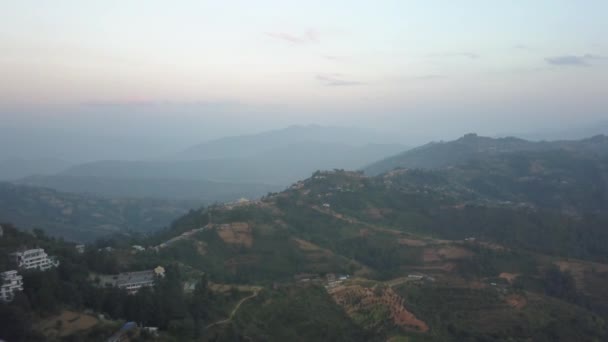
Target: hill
{"type": "Point", "coordinates": [15, 168]}
{"type": "Point", "coordinates": [81, 217]}
{"type": "Point", "coordinates": [430, 253]}
{"type": "Point", "coordinates": [508, 246]}
{"type": "Point", "coordinates": [278, 166]}
{"type": "Point", "coordinates": [444, 154]}
{"type": "Point", "coordinates": [255, 144]}
{"type": "Point", "coordinates": [196, 190]}
{"type": "Point", "coordinates": [228, 168]}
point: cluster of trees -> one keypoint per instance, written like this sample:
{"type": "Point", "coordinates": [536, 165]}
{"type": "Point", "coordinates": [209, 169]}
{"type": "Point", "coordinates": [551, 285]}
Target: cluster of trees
{"type": "Point", "coordinates": [72, 286]}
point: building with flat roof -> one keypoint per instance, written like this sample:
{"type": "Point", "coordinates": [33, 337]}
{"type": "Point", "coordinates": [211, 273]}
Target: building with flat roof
{"type": "Point", "coordinates": [11, 281]}
{"type": "Point", "coordinates": [34, 259]}
{"type": "Point", "coordinates": [133, 281]}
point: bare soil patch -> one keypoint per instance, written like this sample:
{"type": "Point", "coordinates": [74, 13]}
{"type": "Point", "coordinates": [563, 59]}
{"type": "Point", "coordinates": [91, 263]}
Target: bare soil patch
{"type": "Point", "coordinates": [454, 253]}
{"type": "Point", "coordinates": [71, 322]}
{"type": "Point", "coordinates": [510, 277]}
{"type": "Point", "coordinates": [237, 233]}
{"type": "Point", "coordinates": [357, 299]}
{"type": "Point", "coordinates": [430, 255]}
{"type": "Point", "coordinates": [412, 242]}
{"type": "Point", "coordinates": [306, 245]}
{"type": "Point", "coordinates": [516, 301]}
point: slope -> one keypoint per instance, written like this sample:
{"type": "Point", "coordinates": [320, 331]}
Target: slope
{"type": "Point", "coordinates": [470, 146]}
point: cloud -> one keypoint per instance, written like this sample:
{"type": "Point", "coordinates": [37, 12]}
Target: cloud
{"type": "Point", "coordinates": [572, 60]}
{"type": "Point", "coordinates": [469, 55]}
{"type": "Point", "coordinates": [431, 77]}
{"type": "Point", "coordinates": [308, 37]}
{"type": "Point", "coordinates": [336, 80]}
{"type": "Point", "coordinates": [335, 58]}
{"type": "Point", "coordinates": [522, 47]}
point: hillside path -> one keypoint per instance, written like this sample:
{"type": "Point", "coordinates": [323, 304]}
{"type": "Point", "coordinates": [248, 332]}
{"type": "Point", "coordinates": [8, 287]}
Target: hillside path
{"type": "Point", "coordinates": [236, 308]}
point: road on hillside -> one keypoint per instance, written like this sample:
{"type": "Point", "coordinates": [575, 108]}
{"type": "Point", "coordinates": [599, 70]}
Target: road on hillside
{"type": "Point", "coordinates": [236, 308]}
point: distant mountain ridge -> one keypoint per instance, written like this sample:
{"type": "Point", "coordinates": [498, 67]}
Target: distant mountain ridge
{"type": "Point", "coordinates": [15, 168]}
{"type": "Point", "coordinates": [251, 145]}
{"type": "Point", "coordinates": [83, 217]}
{"type": "Point", "coordinates": [197, 190]}
{"type": "Point", "coordinates": [444, 154]}
{"type": "Point", "coordinates": [222, 169]}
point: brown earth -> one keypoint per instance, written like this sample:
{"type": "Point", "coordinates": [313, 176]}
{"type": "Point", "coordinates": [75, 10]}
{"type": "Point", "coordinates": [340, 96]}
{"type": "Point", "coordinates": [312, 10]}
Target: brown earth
{"type": "Point", "coordinates": [237, 233]}
{"type": "Point", "coordinates": [355, 299]}
{"type": "Point", "coordinates": [312, 251]}
{"type": "Point", "coordinates": [510, 277]}
{"type": "Point", "coordinates": [516, 301]}
{"type": "Point", "coordinates": [430, 255]}
{"type": "Point", "coordinates": [378, 213]}
{"type": "Point", "coordinates": [412, 242]}
{"type": "Point", "coordinates": [306, 245]}
{"type": "Point", "coordinates": [71, 322]}
{"type": "Point", "coordinates": [454, 253]}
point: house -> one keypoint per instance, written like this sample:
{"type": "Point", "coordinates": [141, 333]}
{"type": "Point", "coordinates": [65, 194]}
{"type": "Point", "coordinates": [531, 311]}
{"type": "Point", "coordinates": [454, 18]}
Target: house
{"type": "Point", "coordinates": [79, 249]}
{"type": "Point", "coordinates": [159, 271]}
{"type": "Point", "coordinates": [326, 205]}
{"type": "Point", "coordinates": [11, 282]}
{"type": "Point", "coordinates": [415, 276]}
{"type": "Point", "coordinates": [34, 259]}
{"type": "Point", "coordinates": [138, 248]}
{"type": "Point", "coordinates": [133, 281]}
{"type": "Point", "coordinates": [153, 331]}
{"type": "Point", "coordinates": [343, 277]}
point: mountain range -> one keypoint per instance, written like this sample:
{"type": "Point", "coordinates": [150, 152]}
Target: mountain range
{"type": "Point", "coordinates": [82, 217]}
{"type": "Point", "coordinates": [227, 168]}
{"type": "Point", "coordinates": [471, 146]}
{"type": "Point", "coordinates": [505, 241]}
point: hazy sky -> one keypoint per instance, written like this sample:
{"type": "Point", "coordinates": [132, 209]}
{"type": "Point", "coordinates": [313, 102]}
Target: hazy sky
{"type": "Point", "coordinates": [164, 74]}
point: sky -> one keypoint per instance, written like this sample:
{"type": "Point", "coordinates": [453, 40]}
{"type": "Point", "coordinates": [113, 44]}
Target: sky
{"type": "Point", "coordinates": [119, 79]}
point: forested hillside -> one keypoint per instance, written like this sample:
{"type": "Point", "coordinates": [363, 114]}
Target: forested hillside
{"type": "Point", "coordinates": [507, 247]}
{"type": "Point", "coordinates": [83, 217]}
{"type": "Point", "coordinates": [471, 146]}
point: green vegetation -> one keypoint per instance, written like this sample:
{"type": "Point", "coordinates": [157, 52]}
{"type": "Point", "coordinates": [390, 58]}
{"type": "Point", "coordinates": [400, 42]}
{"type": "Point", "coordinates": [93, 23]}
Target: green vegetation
{"type": "Point", "coordinates": [294, 314]}
{"type": "Point", "coordinates": [80, 217]}
{"type": "Point", "coordinates": [508, 247]}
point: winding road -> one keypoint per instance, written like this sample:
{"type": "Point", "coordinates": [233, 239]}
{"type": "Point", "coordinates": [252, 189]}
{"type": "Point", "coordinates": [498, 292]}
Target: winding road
{"type": "Point", "coordinates": [236, 308]}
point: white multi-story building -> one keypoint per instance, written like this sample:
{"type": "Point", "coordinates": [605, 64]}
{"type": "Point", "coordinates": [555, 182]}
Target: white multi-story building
{"type": "Point", "coordinates": [133, 281]}
{"type": "Point", "coordinates": [11, 282]}
{"type": "Point", "coordinates": [35, 259]}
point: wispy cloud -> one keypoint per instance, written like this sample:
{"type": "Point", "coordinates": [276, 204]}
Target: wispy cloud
{"type": "Point", "coordinates": [336, 80]}
{"type": "Point", "coordinates": [430, 77]}
{"type": "Point", "coordinates": [469, 55]}
{"type": "Point", "coordinates": [335, 58]}
{"type": "Point", "coordinates": [308, 37]}
{"type": "Point", "coordinates": [572, 60]}
{"type": "Point", "coordinates": [522, 47]}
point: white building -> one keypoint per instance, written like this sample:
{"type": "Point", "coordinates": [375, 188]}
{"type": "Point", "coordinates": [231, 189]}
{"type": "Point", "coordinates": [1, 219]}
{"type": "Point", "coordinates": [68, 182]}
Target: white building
{"type": "Point", "coordinates": [133, 281]}
{"type": "Point", "coordinates": [11, 282]}
{"type": "Point", "coordinates": [80, 248]}
{"type": "Point", "coordinates": [138, 248]}
{"type": "Point", "coordinates": [34, 259]}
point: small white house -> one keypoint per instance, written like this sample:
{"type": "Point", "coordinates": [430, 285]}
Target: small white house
{"type": "Point", "coordinates": [79, 249]}
{"type": "Point", "coordinates": [138, 248]}
{"type": "Point", "coordinates": [11, 282]}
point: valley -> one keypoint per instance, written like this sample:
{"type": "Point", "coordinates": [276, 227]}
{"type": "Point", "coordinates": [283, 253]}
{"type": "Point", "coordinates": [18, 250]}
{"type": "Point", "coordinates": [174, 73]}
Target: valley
{"type": "Point", "coordinates": [506, 246]}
